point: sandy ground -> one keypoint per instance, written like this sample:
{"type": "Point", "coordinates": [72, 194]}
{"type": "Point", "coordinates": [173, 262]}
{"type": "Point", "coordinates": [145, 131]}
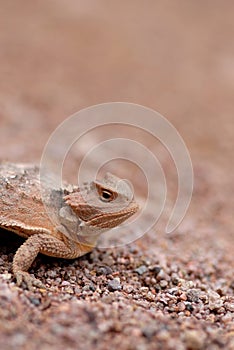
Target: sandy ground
{"type": "Point", "coordinates": [163, 291]}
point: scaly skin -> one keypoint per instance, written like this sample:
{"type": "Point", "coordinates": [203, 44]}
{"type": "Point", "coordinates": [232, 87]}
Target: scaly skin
{"type": "Point", "coordinates": [79, 215]}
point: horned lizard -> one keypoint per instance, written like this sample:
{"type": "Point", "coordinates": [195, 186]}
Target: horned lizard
{"type": "Point", "coordinates": [80, 215]}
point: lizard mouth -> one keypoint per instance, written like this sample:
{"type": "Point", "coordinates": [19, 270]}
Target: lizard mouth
{"type": "Point", "coordinates": [111, 220]}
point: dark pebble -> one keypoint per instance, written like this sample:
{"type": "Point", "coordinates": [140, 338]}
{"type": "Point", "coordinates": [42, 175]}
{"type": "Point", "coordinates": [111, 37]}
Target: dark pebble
{"type": "Point", "coordinates": [104, 270]}
{"type": "Point", "coordinates": [189, 307]}
{"type": "Point", "coordinates": [141, 269]}
{"type": "Point", "coordinates": [35, 301]}
{"type": "Point", "coordinates": [155, 269]}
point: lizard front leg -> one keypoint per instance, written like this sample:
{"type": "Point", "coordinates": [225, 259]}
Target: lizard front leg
{"type": "Point", "coordinates": [45, 244]}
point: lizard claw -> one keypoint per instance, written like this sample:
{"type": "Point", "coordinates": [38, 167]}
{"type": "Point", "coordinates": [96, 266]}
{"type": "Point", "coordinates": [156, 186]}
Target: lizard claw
{"type": "Point", "coordinates": [23, 277]}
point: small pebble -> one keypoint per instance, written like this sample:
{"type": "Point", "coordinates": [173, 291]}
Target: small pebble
{"type": "Point", "coordinates": [229, 306]}
{"type": "Point", "coordinates": [114, 285]}
{"type": "Point", "coordinates": [163, 283]}
{"type": "Point", "coordinates": [181, 306]}
{"type": "Point", "coordinates": [141, 269]}
{"type": "Point", "coordinates": [6, 276]}
{"type": "Point", "coordinates": [128, 288]}
{"type": "Point", "coordinates": [104, 270]}
{"type": "Point", "coordinates": [35, 301]}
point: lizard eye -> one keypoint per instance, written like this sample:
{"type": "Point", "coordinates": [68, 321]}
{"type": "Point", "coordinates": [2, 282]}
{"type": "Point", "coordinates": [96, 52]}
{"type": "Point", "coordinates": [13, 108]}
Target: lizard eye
{"type": "Point", "coordinates": [105, 194]}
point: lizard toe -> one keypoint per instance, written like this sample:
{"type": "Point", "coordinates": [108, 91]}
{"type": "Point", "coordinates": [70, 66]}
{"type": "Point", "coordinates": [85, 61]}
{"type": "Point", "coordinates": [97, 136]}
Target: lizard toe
{"type": "Point", "coordinates": [24, 278]}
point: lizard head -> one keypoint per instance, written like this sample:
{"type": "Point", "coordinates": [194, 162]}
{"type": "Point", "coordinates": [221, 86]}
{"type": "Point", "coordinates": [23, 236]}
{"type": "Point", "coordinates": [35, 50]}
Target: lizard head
{"type": "Point", "coordinates": [103, 204]}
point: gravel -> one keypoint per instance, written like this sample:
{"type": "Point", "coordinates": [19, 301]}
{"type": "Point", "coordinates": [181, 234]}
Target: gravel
{"type": "Point", "coordinates": [170, 304]}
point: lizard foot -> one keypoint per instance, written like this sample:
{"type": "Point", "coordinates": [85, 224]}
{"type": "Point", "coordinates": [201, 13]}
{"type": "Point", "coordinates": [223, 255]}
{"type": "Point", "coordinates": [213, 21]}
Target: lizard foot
{"type": "Point", "coordinates": [24, 278]}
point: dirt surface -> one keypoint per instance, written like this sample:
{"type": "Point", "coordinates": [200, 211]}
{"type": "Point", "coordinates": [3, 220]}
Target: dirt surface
{"type": "Point", "coordinates": [163, 291]}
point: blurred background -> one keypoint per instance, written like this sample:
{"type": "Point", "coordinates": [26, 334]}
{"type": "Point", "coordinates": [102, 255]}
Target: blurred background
{"type": "Point", "coordinates": [177, 57]}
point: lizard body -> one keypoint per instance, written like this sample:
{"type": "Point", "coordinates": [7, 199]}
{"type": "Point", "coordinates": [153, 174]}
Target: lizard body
{"type": "Point", "coordinates": [79, 215]}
